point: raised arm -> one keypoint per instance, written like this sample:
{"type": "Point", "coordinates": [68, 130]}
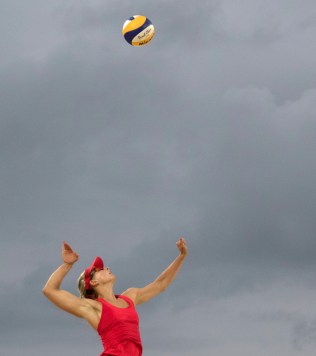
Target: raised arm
{"type": "Point", "coordinates": [61, 298]}
{"type": "Point", "coordinates": [162, 282]}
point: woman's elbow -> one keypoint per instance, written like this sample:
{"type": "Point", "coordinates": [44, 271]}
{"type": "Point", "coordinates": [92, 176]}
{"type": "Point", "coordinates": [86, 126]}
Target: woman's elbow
{"type": "Point", "coordinates": [47, 291]}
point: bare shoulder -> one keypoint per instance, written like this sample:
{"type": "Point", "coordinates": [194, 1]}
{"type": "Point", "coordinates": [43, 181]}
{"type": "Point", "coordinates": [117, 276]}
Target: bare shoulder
{"type": "Point", "coordinates": [131, 293]}
{"type": "Point", "coordinates": [91, 311]}
{"type": "Point", "coordinates": [91, 308]}
{"type": "Point", "coordinates": [92, 304]}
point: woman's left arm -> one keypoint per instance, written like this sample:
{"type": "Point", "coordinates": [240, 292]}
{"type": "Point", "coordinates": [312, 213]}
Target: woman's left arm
{"type": "Point", "coordinates": [162, 282]}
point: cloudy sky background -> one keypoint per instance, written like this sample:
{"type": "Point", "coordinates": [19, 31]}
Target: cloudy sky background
{"type": "Point", "coordinates": [207, 132]}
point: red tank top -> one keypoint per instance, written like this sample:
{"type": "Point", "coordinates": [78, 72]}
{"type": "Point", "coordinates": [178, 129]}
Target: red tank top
{"type": "Point", "coordinates": [119, 326]}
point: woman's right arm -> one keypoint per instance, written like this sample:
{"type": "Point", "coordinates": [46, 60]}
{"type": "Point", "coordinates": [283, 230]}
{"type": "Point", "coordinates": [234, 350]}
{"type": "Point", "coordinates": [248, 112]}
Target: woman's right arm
{"type": "Point", "coordinates": [61, 298]}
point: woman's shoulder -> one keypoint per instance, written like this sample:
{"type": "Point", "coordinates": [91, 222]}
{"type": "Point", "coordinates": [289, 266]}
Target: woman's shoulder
{"type": "Point", "coordinates": [93, 303]}
{"type": "Point", "coordinates": [130, 293]}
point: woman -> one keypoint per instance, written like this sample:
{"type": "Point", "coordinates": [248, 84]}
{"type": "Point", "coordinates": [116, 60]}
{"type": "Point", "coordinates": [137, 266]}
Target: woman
{"type": "Point", "coordinates": [113, 316]}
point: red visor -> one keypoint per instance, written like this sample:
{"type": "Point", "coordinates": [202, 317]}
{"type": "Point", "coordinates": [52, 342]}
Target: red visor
{"type": "Point", "coordinates": [96, 265]}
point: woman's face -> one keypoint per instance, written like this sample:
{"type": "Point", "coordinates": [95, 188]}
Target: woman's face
{"type": "Point", "coordinates": [104, 275]}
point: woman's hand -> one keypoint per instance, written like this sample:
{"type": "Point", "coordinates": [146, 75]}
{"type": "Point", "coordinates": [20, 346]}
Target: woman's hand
{"type": "Point", "coordinates": [68, 255]}
{"type": "Point", "coordinates": [181, 244]}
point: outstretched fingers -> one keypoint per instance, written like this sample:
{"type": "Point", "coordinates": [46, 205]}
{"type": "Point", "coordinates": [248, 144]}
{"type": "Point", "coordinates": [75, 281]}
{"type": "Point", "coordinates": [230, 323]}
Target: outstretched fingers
{"type": "Point", "coordinates": [66, 246]}
{"type": "Point", "coordinates": [68, 255]}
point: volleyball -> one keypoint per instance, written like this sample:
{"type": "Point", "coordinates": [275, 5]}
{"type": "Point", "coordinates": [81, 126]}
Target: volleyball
{"type": "Point", "coordinates": [138, 30]}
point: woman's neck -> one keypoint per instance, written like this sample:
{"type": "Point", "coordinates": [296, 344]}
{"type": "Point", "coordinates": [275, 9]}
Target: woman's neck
{"type": "Point", "coordinates": [107, 293]}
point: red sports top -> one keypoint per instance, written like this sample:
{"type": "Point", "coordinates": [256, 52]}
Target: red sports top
{"type": "Point", "coordinates": [119, 329]}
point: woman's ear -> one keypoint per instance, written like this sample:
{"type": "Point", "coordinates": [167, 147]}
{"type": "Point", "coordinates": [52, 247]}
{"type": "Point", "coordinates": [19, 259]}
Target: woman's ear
{"type": "Point", "coordinates": [94, 283]}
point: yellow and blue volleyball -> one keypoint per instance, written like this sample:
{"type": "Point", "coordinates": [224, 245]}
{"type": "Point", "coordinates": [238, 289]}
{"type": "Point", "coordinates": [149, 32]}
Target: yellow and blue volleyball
{"type": "Point", "coordinates": [138, 30]}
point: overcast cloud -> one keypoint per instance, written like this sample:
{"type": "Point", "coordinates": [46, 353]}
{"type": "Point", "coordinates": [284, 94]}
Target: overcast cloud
{"type": "Point", "coordinates": [207, 132]}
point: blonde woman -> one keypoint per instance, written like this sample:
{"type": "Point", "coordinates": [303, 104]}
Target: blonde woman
{"type": "Point", "coordinates": [113, 316]}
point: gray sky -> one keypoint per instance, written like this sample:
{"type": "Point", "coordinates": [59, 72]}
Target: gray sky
{"type": "Point", "coordinates": [207, 132]}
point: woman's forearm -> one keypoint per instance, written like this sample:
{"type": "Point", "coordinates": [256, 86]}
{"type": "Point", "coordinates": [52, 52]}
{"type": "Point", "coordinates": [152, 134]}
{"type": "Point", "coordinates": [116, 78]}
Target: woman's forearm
{"type": "Point", "coordinates": [55, 280]}
{"type": "Point", "coordinates": [170, 273]}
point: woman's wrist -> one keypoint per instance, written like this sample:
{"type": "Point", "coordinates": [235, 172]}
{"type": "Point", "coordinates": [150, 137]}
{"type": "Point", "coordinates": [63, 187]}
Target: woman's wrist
{"type": "Point", "coordinates": [182, 256]}
{"type": "Point", "coordinates": [67, 265]}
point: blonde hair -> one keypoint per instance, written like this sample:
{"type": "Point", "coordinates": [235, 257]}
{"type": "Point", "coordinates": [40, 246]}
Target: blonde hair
{"type": "Point", "coordinates": [90, 293]}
